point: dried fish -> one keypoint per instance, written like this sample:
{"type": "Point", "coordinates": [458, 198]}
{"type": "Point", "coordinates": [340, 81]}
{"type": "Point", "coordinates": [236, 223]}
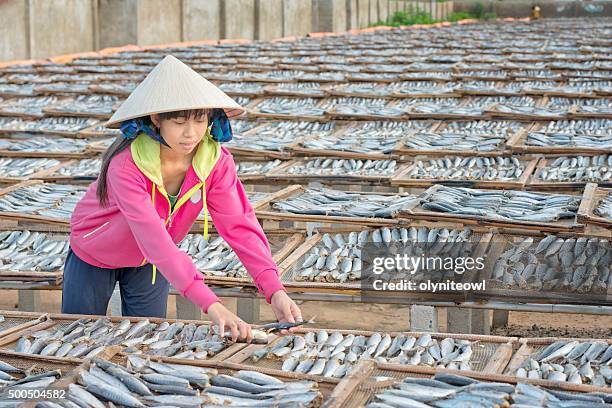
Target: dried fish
{"type": "Point", "coordinates": [51, 200]}
{"type": "Point", "coordinates": [500, 204]}
{"type": "Point", "coordinates": [549, 140]}
{"type": "Point", "coordinates": [289, 107]}
{"type": "Point", "coordinates": [604, 207]}
{"type": "Point", "coordinates": [85, 337]}
{"type": "Point", "coordinates": [16, 167]}
{"type": "Point", "coordinates": [276, 136]}
{"type": "Point", "coordinates": [214, 258]}
{"type": "Point", "coordinates": [334, 354]}
{"type": "Point", "coordinates": [146, 383]}
{"type": "Point", "coordinates": [352, 106]}
{"type": "Point", "coordinates": [38, 144]}
{"type": "Point", "coordinates": [577, 362]}
{"type": "Point", "coordinates": [81, 168]}
{"type": "Point", "coordinates": [343, 167]}
{"type": "Point", "coordinates": [452, 390]}
{"type": "Point", "coordinates": [365, 138]}
{"type": "Point", "coordinates": [344, 204]}
{"type": "Point", "coordinates": [578, 169]}
{"type": "Point", "coordinates": [339, 259]}
{"type": "Point", "coordinates": [575, 265]}
{"type": "Point", "coordinates": [87, 104]}
{"type": "Point", "coordinates": [468, 168]}
{"type": "Point", "coordinates": [244, 168]}
{"type": "Point", "coordinates": [27, 106]}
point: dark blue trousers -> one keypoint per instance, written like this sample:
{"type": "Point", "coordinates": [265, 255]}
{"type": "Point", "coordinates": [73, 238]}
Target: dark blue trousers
{"type": "Point", "coordinates": [87, 289]}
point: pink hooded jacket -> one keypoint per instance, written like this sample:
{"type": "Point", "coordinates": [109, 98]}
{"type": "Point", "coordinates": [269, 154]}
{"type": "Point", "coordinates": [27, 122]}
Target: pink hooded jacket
{"type": "Point", "coordinates": [137, 225]}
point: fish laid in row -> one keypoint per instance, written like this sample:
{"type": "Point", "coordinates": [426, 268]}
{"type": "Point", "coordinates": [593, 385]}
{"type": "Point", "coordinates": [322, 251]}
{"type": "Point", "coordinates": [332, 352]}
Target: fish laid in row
{"type": "Point", "coordinates": [451, 391]}
{"type": "Point", "coordinates": [214, 258]}
{"type": "Point", "coordinates": [333, 354]}
{"type": "Point", "coordinates": [50, 200]}
{"type": "Point", "coordinates": [576, 362]}
{"type": "Point", "coordinates": [343, 167]}
{"type": "Point", "coordinates": [468, 168]}
{"type": "Point", "coordinates": [43, 144]}
{"type": "Point", "coordinates": [325, 201]}
{"type": "Point", "coordinates": [32, 251]}
{"type": "Point", "coordinates": [144, 383]}
{"type": "Point", "coordinates": [86, 338]}
{"type": "Point", "coordinates": [505, 205]}
{"type": "Point", "coordinates": [579, 264]}
{"type": "Point", "coordinates": [17, 167]}
{"type": "Point", "coordinates": [604, 207]}
{"type": "Point", "coordinates": [338, 258]}
{"type": "Point", "coordinates": [247, 168]}
{"type": "Point", "coordinates": [566, 139]}
{"type": "Point", "coordinates": [578, 169]}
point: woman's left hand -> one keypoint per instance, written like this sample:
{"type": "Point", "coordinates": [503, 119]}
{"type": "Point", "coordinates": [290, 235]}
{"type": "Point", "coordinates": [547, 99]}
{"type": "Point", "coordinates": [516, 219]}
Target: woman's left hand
{"type": "Point", "coordinates": [285, 309]}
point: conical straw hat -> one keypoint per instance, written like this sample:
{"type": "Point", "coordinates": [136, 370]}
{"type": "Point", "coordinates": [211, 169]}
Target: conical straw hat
{"type": "Point", "coordinates": [173, 86]}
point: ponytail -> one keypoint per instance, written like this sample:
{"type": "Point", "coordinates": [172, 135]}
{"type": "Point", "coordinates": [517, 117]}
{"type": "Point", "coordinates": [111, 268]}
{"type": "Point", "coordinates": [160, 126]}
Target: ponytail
{"type": "Point", "coordinates": [119, 145]}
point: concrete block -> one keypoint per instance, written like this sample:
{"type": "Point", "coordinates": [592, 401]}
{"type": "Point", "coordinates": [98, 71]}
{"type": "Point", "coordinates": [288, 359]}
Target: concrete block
{"type": "Point", "coordinates": [201, 20]}
{"type": "Point", "coordinates": [423, 318]}
{"type": "Point", "coordinates": [61, 27]}
{"type": "Point", "coordinates": [116, 21]}
{"type": "Point", "coordinates": [500, 318]}
{"type": "Point", "coordinates": [331, 15]}
{"type": "Point", "coordinates": [248, 309]}
{"type": "Point", "coordinates": [187, 310]}
{"type": "Point", "coordinates": [238, 19]}
{"type": "Point", "coordinates": [352, 14]}
{"type": "Point", "coordinates": [297, 17]}
{"type": "Point", "coordinates": [470, 321]}
{"type": "Point", "coordinates": [363, 13]}
{"type": "Point", "coordinates": [159, 21]}
{"type": "Point", "coordinates": [14, 31]}
{"type": "Point", "coordinates": [383, 10]}
{"type": "Point", "coordinates": [29, 300]}
{"type": "Point", "coordinates": [268, 19]}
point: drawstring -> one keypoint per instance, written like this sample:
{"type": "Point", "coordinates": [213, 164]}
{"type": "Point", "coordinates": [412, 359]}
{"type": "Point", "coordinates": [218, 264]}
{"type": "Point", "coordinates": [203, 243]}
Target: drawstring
{"type": "Point", "coordinates": [154, 267]}
{"type": "Point", "coordinates": [205, 222]}
{"type": "Point", "coordinates": [205, 212]}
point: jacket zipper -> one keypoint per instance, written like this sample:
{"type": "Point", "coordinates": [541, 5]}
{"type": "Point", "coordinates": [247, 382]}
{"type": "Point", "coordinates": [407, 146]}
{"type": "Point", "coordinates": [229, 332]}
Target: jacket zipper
{"type": "Point", "coordinates": [95, 230]}
{"type": "Point", "coordinates": [181, 200]}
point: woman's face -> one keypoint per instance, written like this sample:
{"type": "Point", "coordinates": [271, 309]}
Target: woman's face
{"type": "Point", "coordinates": [182, 134]}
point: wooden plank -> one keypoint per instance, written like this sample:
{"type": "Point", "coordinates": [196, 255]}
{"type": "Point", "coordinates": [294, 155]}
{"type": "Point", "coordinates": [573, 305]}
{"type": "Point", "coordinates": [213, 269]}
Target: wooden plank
{"type": "Point", "coordinates": [590, 199]}
{"type": "Point", "coordinates": [26, 324]}
{"type": "Point", "coordinates": [17, 186]}
{"type": "Point", "coordinates": [349, 384]}
{"type": "Point", "coordinates": [500, 359]}
{"type": "Point", "coordinates": [517, 359]}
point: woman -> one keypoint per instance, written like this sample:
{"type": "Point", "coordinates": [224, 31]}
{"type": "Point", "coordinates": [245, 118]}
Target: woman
{"type": "Point", "coordinates": [154, 181]}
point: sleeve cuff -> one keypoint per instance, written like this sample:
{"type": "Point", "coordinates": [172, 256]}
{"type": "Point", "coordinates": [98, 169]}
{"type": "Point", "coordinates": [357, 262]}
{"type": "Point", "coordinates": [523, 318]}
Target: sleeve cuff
{"type": "Point", "coordinates": [269, 283]}
{"type": "Point", "coordinates": [200, 294]}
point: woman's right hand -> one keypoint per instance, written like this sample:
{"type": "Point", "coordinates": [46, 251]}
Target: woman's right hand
{"type": "Point", "coordinates": [226, 320]}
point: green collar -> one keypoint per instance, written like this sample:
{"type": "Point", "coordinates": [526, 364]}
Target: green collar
{"type": "Point", "coordinates": [145, 153]}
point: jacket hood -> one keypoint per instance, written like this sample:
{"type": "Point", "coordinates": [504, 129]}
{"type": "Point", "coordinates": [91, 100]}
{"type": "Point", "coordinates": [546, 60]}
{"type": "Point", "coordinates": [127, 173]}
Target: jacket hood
{"type": "Point", "coordinates": [146, 155]}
